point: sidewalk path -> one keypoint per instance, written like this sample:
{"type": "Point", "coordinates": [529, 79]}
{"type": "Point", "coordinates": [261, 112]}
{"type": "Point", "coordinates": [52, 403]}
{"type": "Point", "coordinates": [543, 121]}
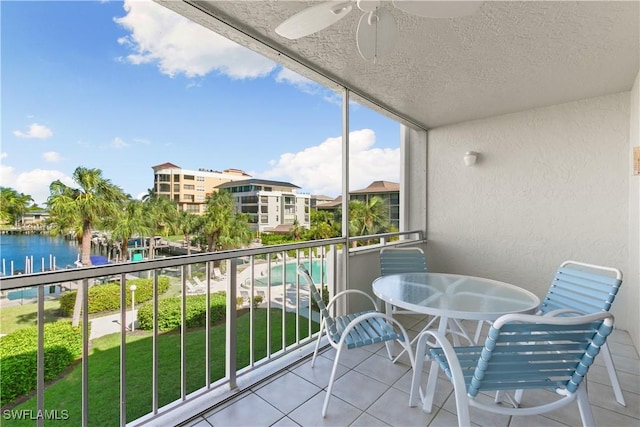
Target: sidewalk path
{"type": "Point", "coordinates": [106, 325]}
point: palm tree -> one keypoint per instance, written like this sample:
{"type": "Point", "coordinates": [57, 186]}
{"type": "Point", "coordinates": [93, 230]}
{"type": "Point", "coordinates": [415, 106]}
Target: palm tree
{"type": "Point", "coordinates": [188, 224]}
{"type": "Point", "coordinates": [13, 204]}
{"type": "Point", "coordinates": [369, 217]}
{"type": "Point", "coordinates": [222, 228]}
{"type": "Point", "coordinates": [296, 231]}
{"type": "Point", "coordinates": [130, 222]}
{"type": "Point", "coordinates": [95, 200]}
{"type": "Point", "coordinates": [218, 216]}
{"type": "Point", "coordinates": [162, 217]}
{"type": "Point", "coordinates": [323, 225]}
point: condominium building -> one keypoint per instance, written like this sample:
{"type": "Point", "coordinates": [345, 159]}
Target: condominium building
{"type": "Point", "coordinates": [190, 188]}
{"type": "Point", "coordinates": [388, 191]}
{"type": "Point", "coordinates": [273, 206]}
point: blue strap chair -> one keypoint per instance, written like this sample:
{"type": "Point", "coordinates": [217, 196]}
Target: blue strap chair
{"type": "Point", "coordinates": [520, 352]}
{"type": "Point", "coordinates": [402, 260]}
{"type": "Point", "coordinates": [352, 330]}
{"type": "Point", "coordinates": [584, 288]}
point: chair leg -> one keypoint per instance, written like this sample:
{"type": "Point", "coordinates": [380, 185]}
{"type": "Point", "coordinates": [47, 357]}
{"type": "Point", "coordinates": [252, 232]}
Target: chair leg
{"type": "Point", "coordinates": [325, 405]}
{"type": "Point", "coordinates": [583, 405]}
{"type": "Point", "coordinates": [315, 352]}
{"type": "Point", "coordinates": [613, 376]}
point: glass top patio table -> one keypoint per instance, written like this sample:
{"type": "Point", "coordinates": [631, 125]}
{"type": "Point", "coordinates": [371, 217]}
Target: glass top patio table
{"type": "Point", "coordinates": [454, 296]}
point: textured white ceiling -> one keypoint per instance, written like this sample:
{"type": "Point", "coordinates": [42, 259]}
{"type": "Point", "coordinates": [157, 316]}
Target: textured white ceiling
{"type": "Point", "coordinates": [510, 56]}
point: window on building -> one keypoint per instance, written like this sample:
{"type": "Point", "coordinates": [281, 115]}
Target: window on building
{"type": "Point", "coordinates": [176, 177]}
{"type": "Point", "coordinates": [193, 208]}
{"type": "Point", "coordinates": [189, 177]}
{"type": "Point", "coordinates": [189, 187]}
{"type": "Point", "coordinates": [264, 219]}
{"type": "Point", "coordinates": [176, 188]}
{"type": "Point", "coordinates": [200, 178]}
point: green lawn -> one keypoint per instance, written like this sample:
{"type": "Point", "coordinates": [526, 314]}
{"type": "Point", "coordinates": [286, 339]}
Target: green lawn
{"type": "Point", "coordinates": [104, 363]}
{"type": "Point", "coordinates": [21, 316]}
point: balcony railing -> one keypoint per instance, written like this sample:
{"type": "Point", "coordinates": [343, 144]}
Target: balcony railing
{"type": "Point", "coordinates": [244, 276]}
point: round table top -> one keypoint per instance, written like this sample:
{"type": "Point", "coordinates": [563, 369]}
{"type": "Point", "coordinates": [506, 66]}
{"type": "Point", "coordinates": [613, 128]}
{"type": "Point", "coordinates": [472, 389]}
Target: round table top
{"type": "Point", "coordinates": [454, 296]}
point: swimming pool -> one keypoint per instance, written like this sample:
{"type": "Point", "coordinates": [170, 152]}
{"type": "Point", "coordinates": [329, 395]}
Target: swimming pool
{"type": "Point", "coordinates": [28, 293]}
{"type": "Point", "coordinates": [291, 271]}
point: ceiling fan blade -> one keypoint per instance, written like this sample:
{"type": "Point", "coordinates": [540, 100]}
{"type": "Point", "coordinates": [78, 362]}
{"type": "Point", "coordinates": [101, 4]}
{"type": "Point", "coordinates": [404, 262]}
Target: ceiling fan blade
{"type": "Point", "coordinates": [438, 9]}
{"type": "Point", "coordinates": [314, 19]}
{"type": "Point", "coordinates": [376, 34]}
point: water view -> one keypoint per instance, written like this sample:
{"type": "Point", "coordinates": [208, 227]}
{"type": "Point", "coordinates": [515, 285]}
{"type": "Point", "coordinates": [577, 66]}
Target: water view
{"type": "Point", "coordinates": [14, 248]}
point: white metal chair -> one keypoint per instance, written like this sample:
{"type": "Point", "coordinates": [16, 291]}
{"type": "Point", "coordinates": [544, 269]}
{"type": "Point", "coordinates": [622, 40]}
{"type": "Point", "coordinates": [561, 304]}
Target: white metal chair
{"type": "Point", "coordinates": [584, 288]}
{"type": "Point", "coordinates": [520, 352]}
{"type": "Point", "coordinates": [353, 330]}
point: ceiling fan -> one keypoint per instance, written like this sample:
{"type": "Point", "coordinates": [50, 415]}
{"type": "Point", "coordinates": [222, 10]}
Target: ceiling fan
{"type": "Point", "coordinates": [377, 32]}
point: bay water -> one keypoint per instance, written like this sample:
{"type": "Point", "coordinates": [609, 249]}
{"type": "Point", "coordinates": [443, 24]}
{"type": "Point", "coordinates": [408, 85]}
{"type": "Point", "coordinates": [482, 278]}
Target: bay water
{"type": "Point", "coordinates": [16, 247]}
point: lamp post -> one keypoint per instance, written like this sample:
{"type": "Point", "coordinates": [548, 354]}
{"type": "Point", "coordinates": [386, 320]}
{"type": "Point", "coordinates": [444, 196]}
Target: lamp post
{"type": "Point", "coordinates": [133, 305]}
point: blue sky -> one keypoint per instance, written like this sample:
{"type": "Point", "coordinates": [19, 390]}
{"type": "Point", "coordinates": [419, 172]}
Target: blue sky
{"type": "Point", "coordinates": [123, 86]}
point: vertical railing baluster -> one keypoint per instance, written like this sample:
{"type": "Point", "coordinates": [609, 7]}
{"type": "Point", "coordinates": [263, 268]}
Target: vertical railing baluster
{"type": "Point", "coordinates": [183, 334]}
{"type": "Point", "coordinates": [231, 332]}
{"type": "Point", "coordinates": [268, 293]}
{"type": "Point", "coordinates": [284, 300]}
{"type": "Point", "coordinates": [207, 332]}
{"type": "Point", "coordinates": [40, 361]}
{"type": "Point", "coordinates": [85, 352]}
{"type": "Point", "coordinates": [154, 349]}
{"type": "Point", "coordinates": [251, 310]}
{"type": "Point", "coordinates": [123, 348]}
{"type": "Point", "coordinates": [297, 285]}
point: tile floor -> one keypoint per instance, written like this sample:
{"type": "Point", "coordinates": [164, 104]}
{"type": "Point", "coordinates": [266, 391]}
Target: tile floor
{"type": "Point", "coordinates": [371, 391]}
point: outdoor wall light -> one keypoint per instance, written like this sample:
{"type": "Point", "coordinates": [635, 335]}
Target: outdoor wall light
{"type": "Point", "coordinates": [470, 158]}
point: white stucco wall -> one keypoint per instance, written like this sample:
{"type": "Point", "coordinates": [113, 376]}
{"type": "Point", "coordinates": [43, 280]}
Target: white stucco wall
{"type": "Point", "coordinates": [551, 184]}
{"type": "Point", "coordinates": [632, 280]}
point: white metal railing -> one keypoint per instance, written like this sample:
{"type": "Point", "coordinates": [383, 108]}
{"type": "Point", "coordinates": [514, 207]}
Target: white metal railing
{"type": "Point", "coordinates": [251, 272]}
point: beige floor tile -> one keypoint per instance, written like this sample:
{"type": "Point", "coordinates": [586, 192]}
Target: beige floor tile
{"type": "Point", "coordinates": [248, 411]}
{"type": "Point", "coordinates": [382, 369]}
{"type": "Point", "coordinates": [366, 420]}
{"type": "Point", "coordinates": [340, 413]}
{"type": "Point", "coordinates": [288, 392]}
{"type": "Point", "coordinates": [393, 408]}
{"type": "Point", "coordinates": [348, 358]}
{"type": "Point", "coordinates": [320, 373]}
{"type": "Point", "coordinates": [358, 389]}
{"type": "Point", "coordinates": [285, 422]}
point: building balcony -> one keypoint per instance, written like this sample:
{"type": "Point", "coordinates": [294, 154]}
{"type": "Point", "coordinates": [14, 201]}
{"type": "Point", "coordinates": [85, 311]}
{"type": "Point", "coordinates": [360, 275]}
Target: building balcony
{"type": "Point", "coordinates": [275, 384]}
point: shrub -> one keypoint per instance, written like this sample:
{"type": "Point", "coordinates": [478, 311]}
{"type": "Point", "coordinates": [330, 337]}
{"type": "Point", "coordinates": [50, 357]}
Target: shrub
{"type": "Point", "coordinates": [170, 309]}
{"type": "Point", "coordinates": [18, 357]}
{"type": "Point", "coordinates": [107, 297]}
{"type": "Point", "coordinates": [256, 301]}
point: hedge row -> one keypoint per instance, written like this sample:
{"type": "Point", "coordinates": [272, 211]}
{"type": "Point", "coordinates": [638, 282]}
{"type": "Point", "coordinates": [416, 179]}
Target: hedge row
{"type": "Point", "coordinates": [170, 312]}
{"type": "Point", "coordinates": [18, 357]}
{"type": "Point", "coordinates": [107, 297]}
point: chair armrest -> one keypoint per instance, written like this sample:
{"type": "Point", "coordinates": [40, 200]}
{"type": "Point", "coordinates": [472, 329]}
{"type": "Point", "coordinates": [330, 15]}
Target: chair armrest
{"type": "Point", "coordinates": [352, 291]}
{"type": "Point", "coordinates": [561, 311]}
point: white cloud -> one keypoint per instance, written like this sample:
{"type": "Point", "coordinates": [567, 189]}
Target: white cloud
{"type": "Point", "coordinates": [35, 131]}
{"type": "Point", "coordinates": [118, 143]}
{"type": "Point", "coordinates": [3, 155]}
{"type": "Point", "coordinates": [285, 75]}
{"type": "Point", "coordinates": [34, 182]}
{"type": "Point", "coordinates": [318, 169]}
{"type": "Point", "coordinates": [52, 156]}
{"type": "Point", "coordinates": [177, 45]}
